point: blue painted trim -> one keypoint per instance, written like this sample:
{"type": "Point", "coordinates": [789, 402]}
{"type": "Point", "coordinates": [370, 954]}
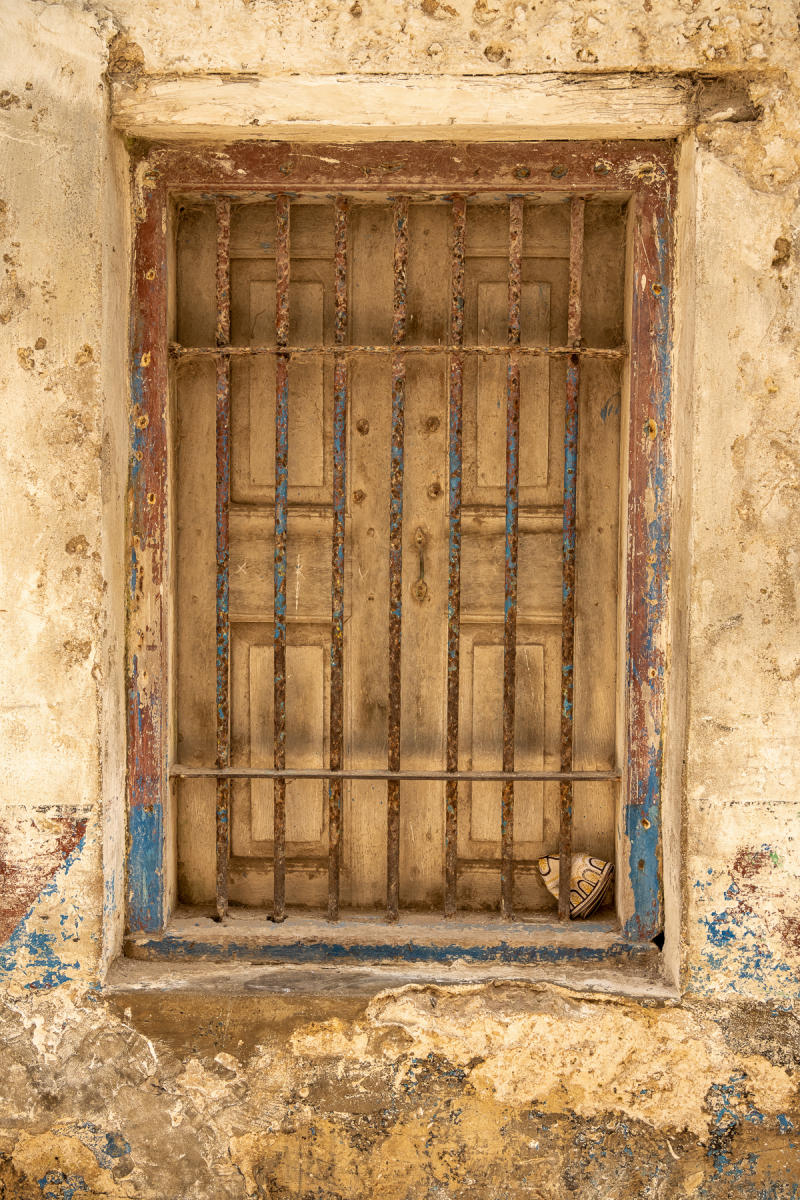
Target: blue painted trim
{"type": "Point", "coordinates": [175, 947]}
{"type": "Point", "coordinates": [146, 869]}
{"type": "Point", "coordinates": [147, 759]}
{"type": "Point", "coordinates": [145, 874]}
{"type": "Point", "coordinates": [642, 818]}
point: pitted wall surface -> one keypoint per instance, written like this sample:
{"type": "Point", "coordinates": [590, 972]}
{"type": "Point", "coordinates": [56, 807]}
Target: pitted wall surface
{"type": "Point", "coordinates": [495, 1091]}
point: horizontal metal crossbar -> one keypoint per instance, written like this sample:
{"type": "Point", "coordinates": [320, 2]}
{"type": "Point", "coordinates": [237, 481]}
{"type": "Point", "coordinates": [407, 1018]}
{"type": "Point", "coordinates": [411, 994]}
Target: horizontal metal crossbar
{"type": "Point", "coordinates": [181, 772]}
{"type": "Point", "coordinates": [612, 353]}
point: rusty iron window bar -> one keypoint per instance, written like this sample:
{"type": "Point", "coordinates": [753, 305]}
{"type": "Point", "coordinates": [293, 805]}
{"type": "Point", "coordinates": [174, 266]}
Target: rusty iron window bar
{"type": "Point", "coordinates": [646, 309]}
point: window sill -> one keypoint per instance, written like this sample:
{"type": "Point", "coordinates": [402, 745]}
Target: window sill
{"type": "Point", "coordinates": [360, 956]}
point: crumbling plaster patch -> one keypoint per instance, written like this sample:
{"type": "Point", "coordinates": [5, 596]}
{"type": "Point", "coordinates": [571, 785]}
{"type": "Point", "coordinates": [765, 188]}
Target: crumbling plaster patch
{"type": "Point", "coordinates": [504, 1090]}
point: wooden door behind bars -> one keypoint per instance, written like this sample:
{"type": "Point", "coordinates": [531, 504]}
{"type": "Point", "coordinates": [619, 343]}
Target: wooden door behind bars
{"type": "Point", "coordinates": [425, 550]}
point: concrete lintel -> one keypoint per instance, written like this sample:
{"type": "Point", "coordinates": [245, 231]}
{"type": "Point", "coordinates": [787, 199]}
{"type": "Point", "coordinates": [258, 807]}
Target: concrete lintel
{"type": "Point", "coordinates": [352, 108]}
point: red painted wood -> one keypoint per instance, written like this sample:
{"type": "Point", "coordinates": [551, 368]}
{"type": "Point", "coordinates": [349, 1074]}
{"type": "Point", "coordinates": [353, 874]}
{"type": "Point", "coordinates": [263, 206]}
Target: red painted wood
{"type": "Point", "coordinates": [439, 166]}
{"type": "Point", "coordinates": [649, 552]}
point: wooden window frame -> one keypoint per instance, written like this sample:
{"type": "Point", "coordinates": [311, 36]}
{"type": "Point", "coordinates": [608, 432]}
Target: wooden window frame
{"type": "Point", "coordinates": [643, 173]}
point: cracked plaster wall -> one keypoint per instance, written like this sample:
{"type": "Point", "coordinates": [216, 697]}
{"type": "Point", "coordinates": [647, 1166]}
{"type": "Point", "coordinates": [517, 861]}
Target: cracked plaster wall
{"type": "Point", "coordinates": [494, 1091]}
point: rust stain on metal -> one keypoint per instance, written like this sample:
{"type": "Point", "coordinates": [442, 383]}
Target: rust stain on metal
{"type": "Point", "coordinates": [223, 632]}
{"type": "Point", "coordinates": [337, 558]}
{"type": "Point", "coordinates": [459, 220]}
{"type": "Point", "coordinates": [223, 271]}
{"type": "Point", "coordinates": [178, 771]}
{"type": "Point", "coordinates": [409, 351]}
{"type": "Point", "coordinates": [223, 477]}
{"type": "Point", "coordinates": [515, 228]}
{"type": "Point", "coordinates": [473, 167]}
{"type": "Point", "coordinates": [576, 226]}
{"type": "Point", "coordinates": [281, 513]}
{"type": "Point", "coordinates": [400, 207]}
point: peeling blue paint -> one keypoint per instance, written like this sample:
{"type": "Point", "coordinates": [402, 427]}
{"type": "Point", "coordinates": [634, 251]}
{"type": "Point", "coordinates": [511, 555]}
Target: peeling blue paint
{"type": "Point", "coordinates": [145, 831]}
{"type": "Point", "coordinates": [56, 1185]}
{"type": "Point", "coordinates": [731, 1106]}
{"type": "Point", "coordinates": [173, 946]}
{"type": "Point", "coordinates": [611, 408]}
{"type": "Point", "coordinates": [110, 895]}
{"type": "Point", "coordinates": [281, 500]}
{"type": "Point", "coordinates": [642, 815]}
{"type": "Point", "coordinates": [718, 935]}
{"type": "Point", "coordinates": [642, 827]}
{"type": "Point", "coordinates": [40, 947]}
{"type": "Point", "coordinates": [736, 947]}
{"type": "Point", "coordinates": [138, 430]}
{"type": "Point", "coordinates": [108, 1146]}
{"type": "Point", "coordinates": [145, 867]}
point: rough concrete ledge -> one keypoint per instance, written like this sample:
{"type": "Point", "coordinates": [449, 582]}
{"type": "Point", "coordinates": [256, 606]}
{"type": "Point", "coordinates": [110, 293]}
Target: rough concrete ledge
{"type": "Point", "coordinates": [296, 983]}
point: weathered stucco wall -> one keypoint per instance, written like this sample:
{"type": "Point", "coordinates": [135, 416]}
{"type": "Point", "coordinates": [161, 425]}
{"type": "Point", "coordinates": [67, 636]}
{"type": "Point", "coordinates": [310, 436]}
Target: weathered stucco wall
{"type": "Point", "coordinates": [742, 815]}
{"type": "Point", "coordinates": [63, 314]}
{"type": "Point", "coordinates": [323, 1089]}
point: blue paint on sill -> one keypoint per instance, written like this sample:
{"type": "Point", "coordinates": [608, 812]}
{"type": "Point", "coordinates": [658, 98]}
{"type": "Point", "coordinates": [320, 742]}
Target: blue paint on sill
{"type": "Point", "coordinates": [178, 947]}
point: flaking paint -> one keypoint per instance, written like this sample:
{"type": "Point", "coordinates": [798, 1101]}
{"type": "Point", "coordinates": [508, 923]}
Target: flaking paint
{"type": "Point", "coordinates": [693, 1099]}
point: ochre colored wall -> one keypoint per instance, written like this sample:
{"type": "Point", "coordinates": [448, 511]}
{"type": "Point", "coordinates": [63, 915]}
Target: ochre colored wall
{"type": "Point", "coordinates": [325, 1088]}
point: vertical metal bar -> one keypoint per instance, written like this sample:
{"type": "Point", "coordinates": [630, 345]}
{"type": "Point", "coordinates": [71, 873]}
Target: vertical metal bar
{"type": "Point", "coordinates": [223, 475]}
{"type": "Point", "coordinates": [568, 549]}
{"type": "Point", "coordinates": [396, 555]}
{"type": "Point", "coordinates": [459, 221]}
{"type": "Point", "coordinates": [281, 503]}
{"type": "Point", "coordinates": [337, 557]}
{"type": "Point", "coordinates": [515, 219]}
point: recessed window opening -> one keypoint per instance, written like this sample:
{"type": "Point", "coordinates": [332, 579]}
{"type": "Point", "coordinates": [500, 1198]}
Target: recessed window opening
{"type": "Point", "coordinates": [409, 599]}
{"type": "Point", "coordinates": [405, 581]}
